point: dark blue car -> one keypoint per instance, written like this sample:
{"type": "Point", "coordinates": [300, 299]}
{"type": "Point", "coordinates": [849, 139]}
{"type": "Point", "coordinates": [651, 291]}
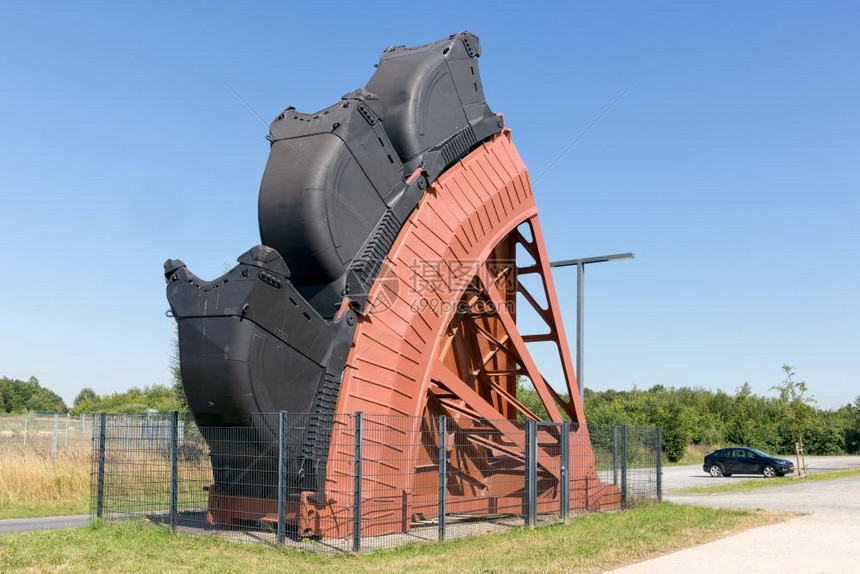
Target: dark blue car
{"type": "Point", "coordinates": [744, 460]}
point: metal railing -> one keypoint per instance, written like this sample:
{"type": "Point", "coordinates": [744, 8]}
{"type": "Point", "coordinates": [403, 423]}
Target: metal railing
{"type": "Point", "coordinates": [364, 481]}
{"type": "Point", "coordinates": [45, 432]}
{"type": "Point", "coordinates": [53, 432]}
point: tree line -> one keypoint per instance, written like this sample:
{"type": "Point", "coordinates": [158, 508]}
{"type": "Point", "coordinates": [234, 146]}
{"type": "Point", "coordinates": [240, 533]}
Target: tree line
{"type": "Point", "coordinates": [17, 396]}
{"type": "Point", "coordinates": [697, 416]}
{"type": "Point", "coordinates": [161, 398]}
{"type": "Point", "coordinates": [688, 415]}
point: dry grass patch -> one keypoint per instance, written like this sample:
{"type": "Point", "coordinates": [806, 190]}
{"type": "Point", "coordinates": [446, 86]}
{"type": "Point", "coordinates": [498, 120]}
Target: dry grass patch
{"type": "Point", "coordinates": [37, 484]}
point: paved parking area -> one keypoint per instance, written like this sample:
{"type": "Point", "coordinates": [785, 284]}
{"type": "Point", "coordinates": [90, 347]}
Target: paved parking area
{"type": "Point", "coordinates": [827, 539]}
{"type": "Point", "coordinates": [684, 476]}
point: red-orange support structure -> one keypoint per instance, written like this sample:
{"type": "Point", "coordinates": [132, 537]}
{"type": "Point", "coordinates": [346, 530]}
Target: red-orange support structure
{"type": "Point", "coordinates": [399, 233]}
{"type": "Point", "coordinates": [450, 345]}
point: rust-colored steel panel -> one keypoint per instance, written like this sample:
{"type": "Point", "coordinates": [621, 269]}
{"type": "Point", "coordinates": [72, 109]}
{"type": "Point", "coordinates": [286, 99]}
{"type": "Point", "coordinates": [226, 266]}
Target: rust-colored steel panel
{"type": "Point", "coordinates": [400, 233]}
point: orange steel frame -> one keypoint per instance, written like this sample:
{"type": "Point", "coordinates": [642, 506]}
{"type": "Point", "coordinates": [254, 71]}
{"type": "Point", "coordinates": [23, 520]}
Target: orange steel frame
{"type": "Point", "coordinates": [441, 338]}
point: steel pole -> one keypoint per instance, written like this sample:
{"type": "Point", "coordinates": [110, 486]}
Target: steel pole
{"type": "Point", "coordinates": [443, 474]}
{"type": "Point", "coordinates": [624, 467]}
{"type": "Point", "coordinates": [100, 480]}
{"type": "Point", "coordinates": [615, 454]}
{"type": "Point", "coordinates": [54, 435]}
{"type": "Point", "coordinates": [580, 329]}
{"type": "Point", "coordinates": [564, 475]}
{"type": "Point", "coordinates": [580, 308]}
{"type": "Point", "coordinates": [659, 448]}
{"type": "Point", "coordinates": [174, 474]}
{"type": "Point", "coordinates": [531, 473]}
{"type": "Point", "coordinates": [356, 500]}
{"type": "Point", "coordinates": [282, 479]}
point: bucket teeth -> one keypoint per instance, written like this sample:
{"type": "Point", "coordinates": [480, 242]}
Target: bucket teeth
{"type": "Point", "coordinates": [274, 332]}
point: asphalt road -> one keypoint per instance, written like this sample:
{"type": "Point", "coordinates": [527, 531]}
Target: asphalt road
{"type": "Point", "coordinates": [48, 523]}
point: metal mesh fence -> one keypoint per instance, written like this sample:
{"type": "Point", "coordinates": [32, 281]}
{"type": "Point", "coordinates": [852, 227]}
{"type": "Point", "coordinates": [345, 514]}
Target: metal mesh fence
{"type": "Point", "coordinates": [132, 463]}
{"type": "Point", "coordinates": [45, 432]}
{"type": "Point", "coordinates": [630, 458]}
{"type": "Point", "coordinates": [363, 481]}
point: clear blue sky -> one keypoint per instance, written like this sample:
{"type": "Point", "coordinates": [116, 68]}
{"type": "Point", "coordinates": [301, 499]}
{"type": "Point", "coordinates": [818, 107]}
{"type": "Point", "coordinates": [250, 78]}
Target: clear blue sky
{"type": "Point", "coordinates": [730, 169]}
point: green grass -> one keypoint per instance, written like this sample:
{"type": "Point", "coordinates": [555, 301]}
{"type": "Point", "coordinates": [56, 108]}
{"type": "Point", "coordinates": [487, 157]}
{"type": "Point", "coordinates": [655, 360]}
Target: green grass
{"type": "Point", "coordinates": [590, 544]}
{"type": "Point", "coordinates": [747, 485]}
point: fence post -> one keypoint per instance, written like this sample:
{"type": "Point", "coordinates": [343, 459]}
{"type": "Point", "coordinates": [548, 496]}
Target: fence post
{"type": "Point", "coordinates": [615, 454]}
{"type": "Point", "coordinates": [624, 467]}
{"type": "Point", "coordinates": [100, 484]}
{"type": "Point", "coordinates": [565, 469]}
{"type": "Point", "coordinates": [25, 430]}
{"type": "Point", "coordinates": [356, 497]}
{"type": "Point", "coordinates": [659, 451]}
{"type": "Point", "coordinates": [54, 435]}
{"type": "Point", "coordinates": [282, 479]}
{"type": "Point", "coordinates": [443, 473]}
{"type": "Point", "coordinates": [531, 472]}
{"type": "Point", "coordinates": [66, 436]}
{"type": "Point", "coordinates": [174, 478]}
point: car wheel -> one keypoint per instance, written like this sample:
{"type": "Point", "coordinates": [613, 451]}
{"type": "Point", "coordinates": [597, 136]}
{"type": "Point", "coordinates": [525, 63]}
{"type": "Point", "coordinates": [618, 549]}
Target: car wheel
{"type": "Point", "coordinates": [716, 470]}
{"type": "Point", "coordinates": [769, 471]}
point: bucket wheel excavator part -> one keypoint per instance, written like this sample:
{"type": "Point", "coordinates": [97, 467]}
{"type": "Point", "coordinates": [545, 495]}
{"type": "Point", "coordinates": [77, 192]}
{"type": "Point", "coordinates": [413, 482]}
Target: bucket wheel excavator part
{"type": "Point", "coordinates": [387, 282]}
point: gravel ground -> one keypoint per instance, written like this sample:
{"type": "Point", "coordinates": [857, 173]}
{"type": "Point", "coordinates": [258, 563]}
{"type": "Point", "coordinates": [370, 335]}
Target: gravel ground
{"type": "Point", "coordinates": [827, 539]}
